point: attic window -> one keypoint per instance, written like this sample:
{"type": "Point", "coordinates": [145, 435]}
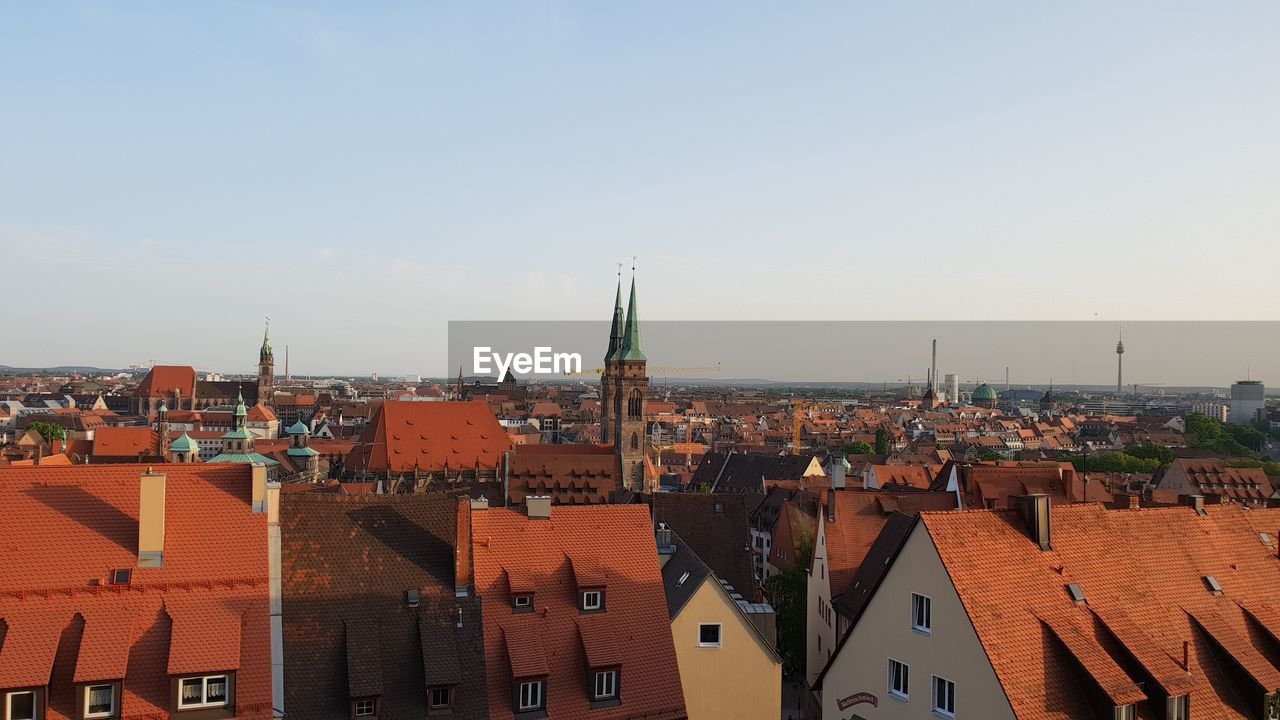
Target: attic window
{"type": "Point", "coordinates": [1076, 592]}
{"type": "Point", "coordinates": [1266, 539]}
{"type": "Point", "coordinates": [413, 597]}
{"type": "Point", "coordinates": [683, 576]}
{"type": "Point", "coordinates": [592, 600]}
{"type": "Point", "coordinates": [522, 602]}
{"type": "Point", "coordinates": [1212, 583]}
{"type": "Point", "coordinates": [20, 705]}
{"type": "Point", "coordinates": [121, 577]}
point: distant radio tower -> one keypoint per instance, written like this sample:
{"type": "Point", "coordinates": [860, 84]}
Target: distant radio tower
{"type": "Point", "coordinates": [1120, 365]}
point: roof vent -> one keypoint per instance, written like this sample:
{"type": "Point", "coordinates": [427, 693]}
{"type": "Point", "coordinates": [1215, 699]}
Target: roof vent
{"type": "Point", "coordinates": [1076, 592]}
{"type": "Point", "coordinates": [121, 577]}
{"type": "Point", "coordinates": [538, 507]}
{"type": "Point", "coordinates": [1212, 583]}
{"type": "Point", "coordinates": [413, 597]}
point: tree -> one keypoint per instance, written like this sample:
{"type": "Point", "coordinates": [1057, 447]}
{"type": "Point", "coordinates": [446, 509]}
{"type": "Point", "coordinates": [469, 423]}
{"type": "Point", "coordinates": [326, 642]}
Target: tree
{"type": "Point", "coordinates": [884, 440]}
{"type": "Point", "coordinates": [989, 455]}
{"type": "Point", "coordinates": [1160, 453]}
{"type": "Point", "coordinates": [48, 431]}
{"type": "Point", "coordinates": [857, 447]}
{"type": "Point", "coordinates": [788, 592]}
{"type": "Point", "coordinates": [1220, 437]}
{"type": "Point", "coordinates": [1116, 462]}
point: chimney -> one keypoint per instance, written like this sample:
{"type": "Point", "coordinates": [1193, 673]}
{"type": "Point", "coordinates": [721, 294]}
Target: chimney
{"type": "Point", "coordinates": [1035, 510]}
{"type": "Point", "coordinates": [151, 519]}
{"type": "Point", "coordinates": [662, 536]}
{"type": "Point", "coordinates": [480, 503]}
{"type": "Point", "coordinates": [538, 507]}
{"type": "Point", "coordinates": [1196, 502]}
{"type": "Point", "coordinates": [259, 473]}
{"type": "Point", "coordinates": [837, 472]}
{"type": "Point", "coordinates": [1135, 502]}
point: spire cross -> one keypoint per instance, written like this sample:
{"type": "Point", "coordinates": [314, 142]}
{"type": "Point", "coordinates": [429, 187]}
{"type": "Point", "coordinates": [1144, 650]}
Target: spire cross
{"type": "Point", "coordinates": [633, 264]}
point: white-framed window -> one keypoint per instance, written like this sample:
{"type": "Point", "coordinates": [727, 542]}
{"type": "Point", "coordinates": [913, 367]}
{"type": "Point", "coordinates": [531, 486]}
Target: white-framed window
{"type": "Point", "coordinates": [522, 601]}
{"type": "Point", "coordinates": [709, 635]}
{"type": "Point", "coordinates": [20, 705]}
{"type": "Point", "coordinates": [99, 701]}
{"type": "Point", "coordinates": [606, 685]}
{"type": "Point", "coordinates": [366, 707]}
{"type": "Point", "coordinates": [921, 613]}
{"type": "Point", "coordinates": [592, 600]}
{"type": "Point", "coordinates": [206, 691]}
{"type": "Point", "coordinates": [530, 696]}
{"type": "Point", "coordinates": [944, 697]}
{"type": "Point", "coordinates": [899, 680]}
{"type": "Point", "coordinates": [1126, 712]}
{"type": "Point", "coordinates": [1179, 708]}
{"type": "Point", "coordinates": [441, 698]}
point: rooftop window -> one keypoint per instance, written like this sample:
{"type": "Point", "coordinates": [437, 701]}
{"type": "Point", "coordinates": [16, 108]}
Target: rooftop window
{"type": "Point", "coordinates": [20, 705]}
{"type": "Point", "coordinates": [99, 701]}
{"type": "Point", "coordinates": [205, 691]}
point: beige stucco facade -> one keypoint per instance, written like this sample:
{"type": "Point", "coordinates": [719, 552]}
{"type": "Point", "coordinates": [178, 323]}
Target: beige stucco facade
{"type": "Point", "coordinates": [950, 650]}
{"type": "Point", "coordinates": [741, 679]}
{"type": "Point", "coordinates": [821, 621]}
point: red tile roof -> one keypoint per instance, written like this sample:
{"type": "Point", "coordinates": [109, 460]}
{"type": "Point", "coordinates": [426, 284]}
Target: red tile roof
{"type": "Point", "coordinates": [125, 442]}
{"type": "Point", "coordinates": [1142, 572]}
{"type": "Point", "coordinates": [68, 528]}
{"type": "Point", "coordinates": [635, 623]}
{"type": "Point", "coordinates": [431, 436]}
{"type": "Point", "coordinates": [162, 380]}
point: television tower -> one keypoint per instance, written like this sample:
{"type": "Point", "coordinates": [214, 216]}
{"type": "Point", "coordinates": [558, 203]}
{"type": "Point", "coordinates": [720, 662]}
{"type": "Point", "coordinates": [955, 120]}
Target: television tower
{"type": "Point", "coordinates": [1120, 364]}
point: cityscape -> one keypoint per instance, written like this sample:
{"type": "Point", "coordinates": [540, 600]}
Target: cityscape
{"type": "Point", "coordinates": [280, 443]}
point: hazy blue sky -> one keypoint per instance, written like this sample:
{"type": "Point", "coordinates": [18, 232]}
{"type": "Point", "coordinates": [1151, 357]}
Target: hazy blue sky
{"type": "Point", "coordinates": [172, 172]}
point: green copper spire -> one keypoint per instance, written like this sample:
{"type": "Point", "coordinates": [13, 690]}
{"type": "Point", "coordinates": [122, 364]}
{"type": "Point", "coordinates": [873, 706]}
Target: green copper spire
{"type": "Point", "coordinates": [615, 332]}
{"type": "Point", "coordinates": [241, 411]}
{"type": "Point", "coordinates": [630, 349]}
{"type": "Point", "coordinates": [266, 342]}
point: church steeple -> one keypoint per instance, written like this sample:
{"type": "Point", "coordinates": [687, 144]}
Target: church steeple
{"type": "Point", "coordinates": [631, 333]}
{"type": "Point", "coordinates": [615, 332]}
{"type": "Point", "coordinates": [265, 353]}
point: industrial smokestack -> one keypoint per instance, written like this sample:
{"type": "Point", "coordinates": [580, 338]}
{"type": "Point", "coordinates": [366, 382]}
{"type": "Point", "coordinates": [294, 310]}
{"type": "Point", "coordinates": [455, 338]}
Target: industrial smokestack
{"type": "Point", "coordinates": [933, 367]}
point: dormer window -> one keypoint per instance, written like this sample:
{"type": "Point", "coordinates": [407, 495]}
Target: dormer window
{"type": "Point", "coordinates": [592, 600]}
{"type": "Point", "coordinates": [522, 602]}
{"type": "Point", "coordinates": [364, 707]}
{"type": "Point", "coordinates": [439, 700]}
{"type": "Point", "coordinates": [22, 705]}
{"type": "Point", "coordinates": [100, 701]}
{"type": "Point", "coordinates": [203, 692]}
{"type": "Point", "coordinates": [531, 696]}
{"type": "Point", "coordinates": [604, 685]}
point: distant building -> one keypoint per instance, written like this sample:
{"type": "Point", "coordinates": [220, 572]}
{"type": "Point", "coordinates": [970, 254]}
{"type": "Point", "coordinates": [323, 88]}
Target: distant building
{"type": "Point", "coordinates": [1211, 408]}
{"type": "Point", "coordinates": [985, 396]}
{"type": "Point", "coordinates": [1248, 399]}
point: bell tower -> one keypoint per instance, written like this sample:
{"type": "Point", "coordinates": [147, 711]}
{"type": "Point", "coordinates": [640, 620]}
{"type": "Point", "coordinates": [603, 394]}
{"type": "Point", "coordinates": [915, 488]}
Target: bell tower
{"type": "Point", "coordinates": [266, 370]}
{"type": "Point", "coordinates": [625, 393]}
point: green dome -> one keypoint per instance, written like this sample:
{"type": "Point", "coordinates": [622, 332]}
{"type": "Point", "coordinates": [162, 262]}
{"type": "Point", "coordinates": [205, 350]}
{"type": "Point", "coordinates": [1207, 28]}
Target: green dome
{"type": "Point", "coordinates": [184, 444]}
{"type": "Point", "coordinates": [984, 392]}
{"type": "Point", "coordinates": [298, 428]}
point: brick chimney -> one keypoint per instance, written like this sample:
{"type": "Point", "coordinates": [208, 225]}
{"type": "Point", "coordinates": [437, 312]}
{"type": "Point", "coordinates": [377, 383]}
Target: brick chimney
{"type": "Point", "coordinates": [151, 489]}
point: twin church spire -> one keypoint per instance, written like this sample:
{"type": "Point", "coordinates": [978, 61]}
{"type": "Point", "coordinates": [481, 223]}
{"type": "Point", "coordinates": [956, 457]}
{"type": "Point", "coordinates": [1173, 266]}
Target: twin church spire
{"type": "Point", "coordinates": [624, 336]}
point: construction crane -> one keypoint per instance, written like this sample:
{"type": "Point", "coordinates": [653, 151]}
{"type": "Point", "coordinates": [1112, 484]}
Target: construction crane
{"type": "Point", "coordinates": [656, 369]}
{"type": "Point", "coordinates": [688, 448]}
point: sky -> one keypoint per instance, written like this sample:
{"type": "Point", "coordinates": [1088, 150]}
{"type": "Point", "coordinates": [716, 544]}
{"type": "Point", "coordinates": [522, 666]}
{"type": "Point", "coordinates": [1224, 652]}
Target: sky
{"type": "Point", "coordinates": [172, 173]}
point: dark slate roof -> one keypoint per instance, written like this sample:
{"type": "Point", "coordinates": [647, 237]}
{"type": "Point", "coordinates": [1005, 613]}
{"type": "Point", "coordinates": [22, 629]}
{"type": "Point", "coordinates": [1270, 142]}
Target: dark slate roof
{"type": "Point", "coordinates": [682, 576]}
{"type": "Point", "coordinates": [227, 390]}
{"type": "Point", "coordinates": [347, 564]}
{"type": "Point", "coordinates": [874, 566]}
{"type": "Point", "coordinates": [722, 540]}
{"type": "Point", "coordinates": [747, 472]}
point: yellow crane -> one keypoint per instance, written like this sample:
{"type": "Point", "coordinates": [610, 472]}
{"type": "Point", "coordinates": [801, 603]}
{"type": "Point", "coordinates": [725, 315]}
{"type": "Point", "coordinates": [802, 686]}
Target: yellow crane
{"type": "Point", "coordinates": [656, 369]}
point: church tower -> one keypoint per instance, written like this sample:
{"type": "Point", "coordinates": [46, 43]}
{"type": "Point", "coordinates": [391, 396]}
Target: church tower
{"type": "Point", "coordinates": [266, 370]}
{"type": "Point", "coordinates": [625, 393]}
